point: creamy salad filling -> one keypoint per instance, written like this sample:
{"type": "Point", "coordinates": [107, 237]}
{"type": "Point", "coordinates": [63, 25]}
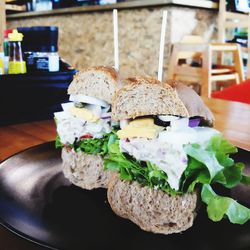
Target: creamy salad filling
{"type": "Point", "coordinates": [84, 117]}
{"type": "Point", "coordinates": [164, 146]}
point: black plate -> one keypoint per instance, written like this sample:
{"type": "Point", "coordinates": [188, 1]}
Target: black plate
{"type": "Point", "coordinates": [38, 203]}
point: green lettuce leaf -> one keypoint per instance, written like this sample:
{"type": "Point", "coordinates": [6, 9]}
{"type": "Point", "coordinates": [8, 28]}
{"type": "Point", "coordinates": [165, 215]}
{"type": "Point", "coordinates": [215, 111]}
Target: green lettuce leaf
{"type": "Point", "coordinates": [219, 206]}
{"type": "Point", "coordinates": [212, 164]}
{"type": "Point", "coordinates": [230, 176]}
{"type": "Point", "coordinates": [245, 180]}
{"type": "Point", "coordinates": [195, 173]}
{"type": "Point", "coordinates": [220, 145]}
{"type": "Point", "coordinates": [91, 145]}
{"type": "Point", "coordinates": [208, 158]}
{"type": "Point", "coordinates": [58, 143]}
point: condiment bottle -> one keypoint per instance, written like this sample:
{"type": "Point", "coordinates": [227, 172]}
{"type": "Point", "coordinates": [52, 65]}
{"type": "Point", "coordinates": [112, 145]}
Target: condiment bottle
{"type": "Point", "coordinates": [17, 65]}
{"type": "Point", "coordinates": [1, 63]}
{"type": "Point", "coordinates": [6, 42]}
{"type": "Point", "coordinates": [6, 50]}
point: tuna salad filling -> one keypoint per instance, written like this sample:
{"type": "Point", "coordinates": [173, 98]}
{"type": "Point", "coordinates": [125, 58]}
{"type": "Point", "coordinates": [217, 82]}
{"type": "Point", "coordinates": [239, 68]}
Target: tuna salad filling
{"type": "Point", "coordinates": [167, 150]}
{"type": "Point", "coordinates": [161, 140]}
{"type": "Point", "coordinates": [84, 126]}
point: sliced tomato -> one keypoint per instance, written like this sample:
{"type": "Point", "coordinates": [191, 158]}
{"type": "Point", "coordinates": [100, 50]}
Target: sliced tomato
{"type": "Point", "coordinates": [87, 136]}
{"type": "Point", "coordinates": [68, 148]}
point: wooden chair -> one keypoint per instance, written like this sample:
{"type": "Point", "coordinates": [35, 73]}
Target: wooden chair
{"type": "Point", "coordinates": [231, 20]}
{"type": "Point", "coordinates": [179, 69]}
{"type": "Point", "coordinates": [207, 72]}
{"type": "Point", "coordinates": [222, 74]}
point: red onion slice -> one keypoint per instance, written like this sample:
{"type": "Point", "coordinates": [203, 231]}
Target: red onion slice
{"type": "Point", "coordinates": [106, 115]}
{"type": "Point", "coordinates": [194, 122]}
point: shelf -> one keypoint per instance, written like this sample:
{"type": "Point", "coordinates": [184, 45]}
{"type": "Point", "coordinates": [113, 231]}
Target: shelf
{"type": "Point", "coordinates": [236, 20]}
{"type": "Point", "coordinates": [244, 49]}
{"type": "Point", "coordinates": [232, 25]}
{"type": "Point", "coordinates": [197, 3]}
{"type": "Point", "coordinates": [237, 16]}
{"type": "Point", "coordinates": [14, 7]}
{"type": "Point", "coordinates": [17, 2]}
{"type": "Point", "coordinates": [121, 5]}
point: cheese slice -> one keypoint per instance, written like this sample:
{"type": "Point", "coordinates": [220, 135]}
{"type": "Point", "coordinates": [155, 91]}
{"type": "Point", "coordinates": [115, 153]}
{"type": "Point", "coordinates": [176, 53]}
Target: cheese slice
{"type": "Point", "coordinates": [144, 128]}
{"type": "Point", "coordinates": [83, 114]}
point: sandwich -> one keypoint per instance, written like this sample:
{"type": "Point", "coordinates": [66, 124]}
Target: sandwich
{"type": "Point", "coordinates": [167, 158]}
{"type": "Point", "coordinates": [84, 127]}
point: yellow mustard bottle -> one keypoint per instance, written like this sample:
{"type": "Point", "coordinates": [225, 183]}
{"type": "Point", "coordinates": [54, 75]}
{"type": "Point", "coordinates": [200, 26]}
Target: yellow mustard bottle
{"type": "Point", "coordinates": [1, 63]}
{"type": "Point", "coordinates": [17, 65]}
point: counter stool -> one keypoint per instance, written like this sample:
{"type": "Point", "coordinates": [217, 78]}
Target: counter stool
{"type": "Point", "coordinates": [203, 69]}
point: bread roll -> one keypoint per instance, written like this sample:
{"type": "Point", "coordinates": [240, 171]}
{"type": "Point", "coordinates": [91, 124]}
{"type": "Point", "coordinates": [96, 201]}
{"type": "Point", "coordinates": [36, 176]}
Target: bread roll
{"type": "Point", "coordinates": [85, 170]}
{"type": "Point", "coordinates": [99, 82]}
{"type": "Point", "coordinates": [152, 210]}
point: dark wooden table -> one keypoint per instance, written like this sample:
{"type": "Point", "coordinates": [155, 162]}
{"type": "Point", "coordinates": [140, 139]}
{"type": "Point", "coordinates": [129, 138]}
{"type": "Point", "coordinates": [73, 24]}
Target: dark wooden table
{"type": "Point", "coordinates": [231, 118]}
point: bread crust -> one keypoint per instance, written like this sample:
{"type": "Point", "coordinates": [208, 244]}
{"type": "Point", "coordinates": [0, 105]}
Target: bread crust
{"type": "Point", "coordinates": [85, 170]}
{"type": "Point", "coordinates": [105, 69]}
{"type": "Point", "coordinates": [108, 70]}
{"type": "Point", "coordinates": [141, 79]}
{"type": "Point", "coordinates": [152, 210]}
{"type": "Point", "coordinates": [192, 101]}
{"type": "Point", "coordinates": [142, 90]}
{"type": "Point", "coordinates": [100, 82]}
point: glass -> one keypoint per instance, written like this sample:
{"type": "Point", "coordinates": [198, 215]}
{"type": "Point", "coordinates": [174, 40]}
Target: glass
{"type": "Point", "coordinates": [42, 5]}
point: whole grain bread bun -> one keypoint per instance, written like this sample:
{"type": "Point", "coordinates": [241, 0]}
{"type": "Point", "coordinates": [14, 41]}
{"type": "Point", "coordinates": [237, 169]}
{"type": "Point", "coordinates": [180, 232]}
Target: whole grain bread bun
{"type": "Point", "coordinates": [99, 82]}
{"type": "Point", "coordinates": [85, 170]}
{"type": "Point", "coordinates": [143, 96]}
{"type": "Point", "coordinates": [192, 101]}
{"type": "Point", "coordinates": [152, 210]}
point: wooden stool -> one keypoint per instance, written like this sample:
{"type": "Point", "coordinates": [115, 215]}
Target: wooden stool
{"type": "Point", "coordinates": [203, 70]}
{"type": "Point", "coordinates": [222, 74]}
{"type": "Point", "coordinates": [231, 20]}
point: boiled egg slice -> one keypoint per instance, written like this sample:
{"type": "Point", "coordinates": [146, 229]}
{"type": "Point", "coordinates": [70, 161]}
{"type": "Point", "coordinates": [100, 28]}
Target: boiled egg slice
{"type": "Point", "coordinates": [88, 99]}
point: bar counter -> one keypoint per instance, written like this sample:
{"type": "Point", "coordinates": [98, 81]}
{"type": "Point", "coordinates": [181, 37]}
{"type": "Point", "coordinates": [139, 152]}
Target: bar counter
{"type": "Point", "coordinates": [86, 33]}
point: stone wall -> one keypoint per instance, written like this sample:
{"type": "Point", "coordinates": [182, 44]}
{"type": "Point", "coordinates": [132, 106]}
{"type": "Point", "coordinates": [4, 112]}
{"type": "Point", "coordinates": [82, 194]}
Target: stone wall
{"type": "Point", "coordinates": [86, 39]}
